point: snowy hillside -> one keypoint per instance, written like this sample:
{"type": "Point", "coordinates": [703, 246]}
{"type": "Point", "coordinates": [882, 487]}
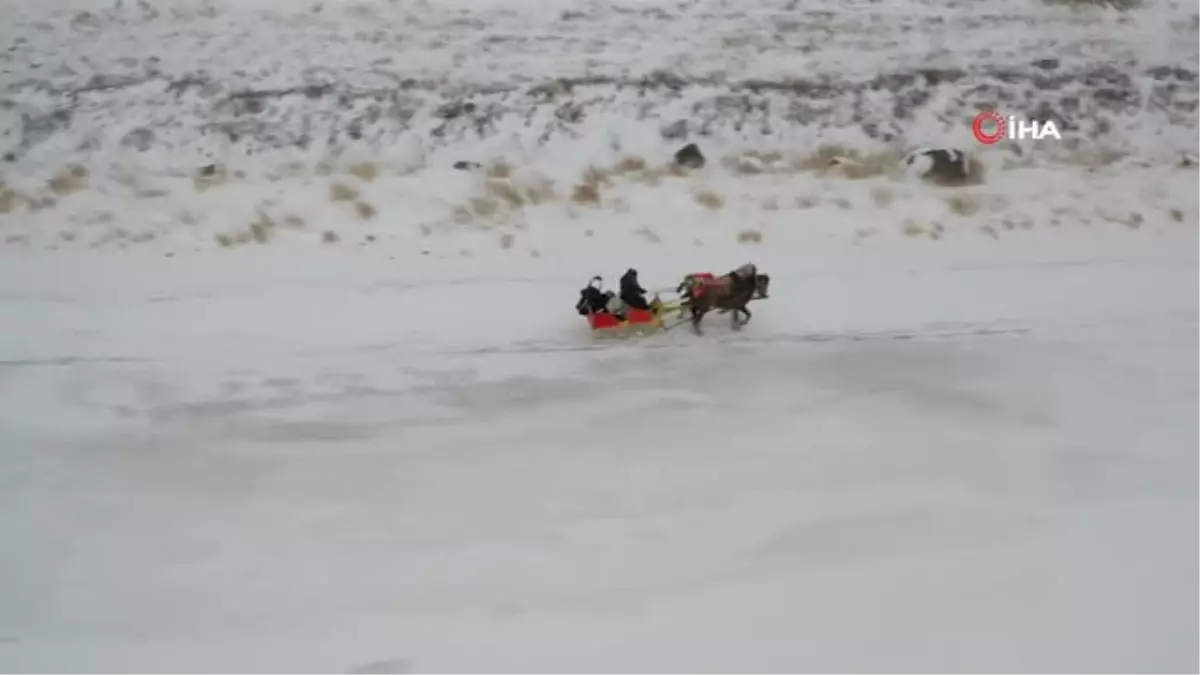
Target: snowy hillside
{"type": "Point", "coordinates": [193, 125]}
{"type": "Point", "coordinates": [290, 378]}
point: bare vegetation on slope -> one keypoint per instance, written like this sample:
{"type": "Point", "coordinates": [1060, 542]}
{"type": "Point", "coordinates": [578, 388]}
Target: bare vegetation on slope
{"type": "Point", "coordinates": [1121, 5]}
{"type": "Point", "coordinates": [71, 178]}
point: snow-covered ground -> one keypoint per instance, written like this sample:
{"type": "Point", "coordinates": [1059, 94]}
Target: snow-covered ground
{"type": "Point", "coordinates": [320, 461]}
{"type": "Point", "coordinates": [275, 396]}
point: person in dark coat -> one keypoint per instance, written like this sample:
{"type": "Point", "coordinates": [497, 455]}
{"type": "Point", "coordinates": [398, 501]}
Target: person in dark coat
{"type": "Point", "coordinates": [632, 293]}
{"type": "Point", "coordinates": [592, 300]}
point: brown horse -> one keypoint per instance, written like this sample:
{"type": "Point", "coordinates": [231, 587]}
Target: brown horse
{"type": "Point", "coordinates": [728, 293]}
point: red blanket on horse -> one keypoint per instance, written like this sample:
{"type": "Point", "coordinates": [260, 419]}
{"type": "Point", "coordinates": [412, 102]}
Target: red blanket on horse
{"type": "Point", "coordinates": [706, 278]}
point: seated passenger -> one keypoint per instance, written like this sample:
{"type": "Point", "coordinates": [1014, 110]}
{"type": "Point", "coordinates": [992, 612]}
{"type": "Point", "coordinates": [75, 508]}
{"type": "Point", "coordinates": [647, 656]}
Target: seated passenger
{"type": "Point", "coordinates": [632, 294]}
{"type": "Point", "coordinates": [592, 300]}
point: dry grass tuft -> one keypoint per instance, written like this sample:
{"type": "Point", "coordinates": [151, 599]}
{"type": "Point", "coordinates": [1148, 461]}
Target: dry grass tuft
{"type": "Point", "coordinates": [507, 240]}
{"type": "Point", "coordinates": [648, 234]}
{"type": "Point", "coordinates": [364, 210]}
{"type": "Point", "coordinates": [1010, 224]}
{"type": "Point", "coordinates": [848, 162]}
{"type": "Point", "coordinates": [499, 170]}
{"type": "Point", "coordinates": [770, 204]}
{"type": "Point", "coordinates": [586, 193]}
{"type": "Point", "coordinates": [769, 157]}
{"type": "Point", "coordinates": [1096, 158]}
{"type": "Point", "coordinates": [990, 231]}
{"type": "Point", "coordinates": [70, 179]}
{"type": "Point", "coordinates": [1010, 162]}
{"type": "Point", "coordinates": [364, 171]}
{"type": "Point", "coordinates": [340, 192]}
{"type": "Point", "coordinates": [8, 199]}
{"type": "Point", "coordinates": [42, 204]}
{"type": "Point", "coordinates": [1079, 5]}
{"type": "Point", "coordinates": [823, 157]}
{"type": "Point", "coordinates": [262, 229]}
{"type": "Point", "coordinates": [294, 222]}
{"type": "Point", "coordinates": [291, 169]}
{"type": "Point", "coordinates": [259, 231]}
{"type": "Point", "coordinates": [652, 176]}
{"type": "Point", "coordinates": [150, 193]}
{"type": "Point", "coordinates": [745, 164]}
{"type": "Point", "coordinates": [1176, 215]}
{"type": "Point", "coordinates": [963, 205]}
{"type": "Point", "coordinates": [630, 164]}
{"type": "Point", "coordinates": [541, 191]}
{"type": "Point", "coordinates": [504, 190]}
{"type": "Point", "coordinates": [882, 196]}
{"type": "Point", "coordinates": [209, 177]}
{"type": "Point", "coordinates": [1133, 220]}
{"type": "Point", "coordinates": [707, 198]}
{"type": "Point", "coordinates": [879, 164]}
{"type": "Point", "coordinates": [330, 237]}
{"type": "Point", "coordinates": [599, 176]}
{"type": "Point", "coordinates": [484, 206]}
{"type": "Point", "coordinates": [750, 237]}
{"type": "Point", "coordinates": [912, 229]}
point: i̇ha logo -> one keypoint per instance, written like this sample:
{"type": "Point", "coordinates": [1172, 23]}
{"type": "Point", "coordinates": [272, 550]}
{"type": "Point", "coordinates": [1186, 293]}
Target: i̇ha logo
{"type": "Point", "coordinates": [990, 127]}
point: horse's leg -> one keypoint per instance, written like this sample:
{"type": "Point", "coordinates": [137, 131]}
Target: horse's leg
{"type": "Point", "coordinates": [733, 320]}
{"type": "Point", "coordinates": [697, 314]}
{"type": "Point", "coordinates": [746, 311]}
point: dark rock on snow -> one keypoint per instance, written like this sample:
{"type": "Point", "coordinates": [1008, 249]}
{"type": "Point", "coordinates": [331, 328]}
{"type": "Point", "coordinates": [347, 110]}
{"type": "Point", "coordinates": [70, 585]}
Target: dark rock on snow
{"type": "Point", "coordinates": [690, 156]}
{"type": "Point", "coordinates": [944, 166]}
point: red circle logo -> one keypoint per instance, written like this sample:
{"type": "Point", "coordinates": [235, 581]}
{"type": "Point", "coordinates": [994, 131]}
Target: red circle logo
{"type": "Point", "coordinates": [988, 117]}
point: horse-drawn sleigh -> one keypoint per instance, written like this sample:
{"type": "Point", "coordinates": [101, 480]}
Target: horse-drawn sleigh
{"type": "Point", "coordinates": [611, 314]}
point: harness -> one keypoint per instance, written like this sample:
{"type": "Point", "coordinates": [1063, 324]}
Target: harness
{"type": "Point", "coordinates": [699, 281]}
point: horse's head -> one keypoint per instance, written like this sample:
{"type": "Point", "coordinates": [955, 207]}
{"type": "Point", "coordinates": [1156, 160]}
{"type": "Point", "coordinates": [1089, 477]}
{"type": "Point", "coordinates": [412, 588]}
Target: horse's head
{"type": "Point", "coordinates": [762, 283]}
{"type": "Point", "coordinates": [691, 283]}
